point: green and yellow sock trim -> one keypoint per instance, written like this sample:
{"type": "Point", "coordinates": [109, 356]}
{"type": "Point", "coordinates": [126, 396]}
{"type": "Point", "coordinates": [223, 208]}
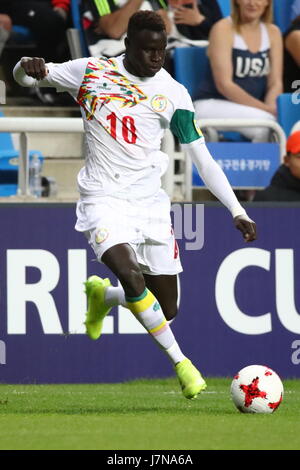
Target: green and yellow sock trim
{"type": "Point", "coordinates": [141, 303]}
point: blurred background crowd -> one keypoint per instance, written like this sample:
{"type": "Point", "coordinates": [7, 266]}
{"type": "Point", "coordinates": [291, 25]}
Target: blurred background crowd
{"type": "Point", "coordinates": [252, 56]}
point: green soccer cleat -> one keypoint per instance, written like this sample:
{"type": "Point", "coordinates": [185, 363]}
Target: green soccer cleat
{"type": "Point", "coordinates": [97, 310]}
{"type": "Point", "coordinates": [191, 381]}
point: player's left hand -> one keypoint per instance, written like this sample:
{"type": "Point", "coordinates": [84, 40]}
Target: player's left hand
{"type": "Point", "coordinates": [246, 226]}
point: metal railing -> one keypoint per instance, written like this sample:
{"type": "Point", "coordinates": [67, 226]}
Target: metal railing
{"type": "Point", "coordinates": [24, 125]}
{"type": "Point", "coordinates": [234, 124]}
{"type": "Point", "coordinates": [183, 176]}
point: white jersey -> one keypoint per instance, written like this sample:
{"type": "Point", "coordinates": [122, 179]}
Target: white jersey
{"type": "Point", "coordinates": [124, 119]}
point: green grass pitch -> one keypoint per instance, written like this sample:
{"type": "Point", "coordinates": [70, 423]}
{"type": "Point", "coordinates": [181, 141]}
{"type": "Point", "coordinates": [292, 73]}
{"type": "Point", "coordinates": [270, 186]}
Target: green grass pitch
{"type": "Point", "coordinates": [145, 414]}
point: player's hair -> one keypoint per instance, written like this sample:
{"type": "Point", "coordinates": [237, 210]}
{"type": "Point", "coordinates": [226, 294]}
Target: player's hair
{"type": "Point", "coordinates": [267, 16]}
{"type": "Point", "coordinates": [145, 19]}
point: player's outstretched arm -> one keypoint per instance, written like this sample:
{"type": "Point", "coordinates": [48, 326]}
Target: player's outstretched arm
{"type": "Point", "coordinates": [216, 181]}
{"type": "Point", "coordinates": [67, 76]}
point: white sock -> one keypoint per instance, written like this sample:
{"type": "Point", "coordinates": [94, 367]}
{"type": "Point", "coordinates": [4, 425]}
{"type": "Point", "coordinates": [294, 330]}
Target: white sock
{"type": "Point", "coordinates": [149, 313]}
{"type": "Point", "coordinates": [175, 353]}
{"type": "Point", "coordinates": [115, 296]}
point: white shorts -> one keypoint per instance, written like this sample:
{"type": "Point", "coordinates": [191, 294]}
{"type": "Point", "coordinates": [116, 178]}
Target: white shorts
{"type": "Point", "coordinates": [145, 224]}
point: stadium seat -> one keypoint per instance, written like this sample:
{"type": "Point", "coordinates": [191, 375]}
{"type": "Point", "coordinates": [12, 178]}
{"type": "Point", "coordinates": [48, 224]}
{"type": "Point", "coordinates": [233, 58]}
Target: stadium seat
{"type": "Point", "coordinates": [288, 112]}
{"type": "Point", "coordinates": [190, 64]}
{"type": "Point", "coordinates": [9, 164]}
{"type": "Point", "coordinates": [225, 7]}
{"type": "Point", "coordinates": [282, 13]}
{"type": "Point", "coordinates": [76, 38]}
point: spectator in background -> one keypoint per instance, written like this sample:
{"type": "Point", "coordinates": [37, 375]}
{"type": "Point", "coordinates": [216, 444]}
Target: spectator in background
{"type": "Point", "coordinates": [193, 19]}
{"type": "Point", "coordinates": [295, 9]}
{"type": "Point", "coordinates": [105, 21]}
{"type": "Point", "coordinates": [285, 184]}
{"type": "Point", "coordinates": [292, 55]}
{"type": "Point", "coordinates": [245, 53]}
{"type": "Point", "coordinates": [46, 19]}
{"type": "Point", "coordinates": [5, 29]}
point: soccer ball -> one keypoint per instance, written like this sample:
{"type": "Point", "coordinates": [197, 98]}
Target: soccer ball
{"type": "Point", "coordinates": [256, 389]}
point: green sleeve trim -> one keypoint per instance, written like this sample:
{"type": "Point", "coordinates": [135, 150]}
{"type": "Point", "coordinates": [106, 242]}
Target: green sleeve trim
{"type": "Point", "coordinates": [184, 126]}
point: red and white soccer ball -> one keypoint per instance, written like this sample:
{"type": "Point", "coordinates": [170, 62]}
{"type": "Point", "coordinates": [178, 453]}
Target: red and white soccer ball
{"type": "Point", "coordinates": [256, 389]}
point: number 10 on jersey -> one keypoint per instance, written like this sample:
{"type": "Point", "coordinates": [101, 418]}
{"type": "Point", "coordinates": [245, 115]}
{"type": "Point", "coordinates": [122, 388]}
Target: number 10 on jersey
{"type": "Point", "coordinates": [126, 128]}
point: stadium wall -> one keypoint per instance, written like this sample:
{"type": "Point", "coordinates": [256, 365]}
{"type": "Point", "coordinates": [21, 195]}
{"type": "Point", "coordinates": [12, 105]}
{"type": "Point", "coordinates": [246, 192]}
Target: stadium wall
{"type": "Point", "coordinates": [239, 303]}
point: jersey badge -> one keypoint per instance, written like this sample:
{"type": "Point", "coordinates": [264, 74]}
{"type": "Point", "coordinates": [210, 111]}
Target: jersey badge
{"type": "Point", "coordinates": [159, 103]}
{"type": "Point", "coordinates": [101, 235]}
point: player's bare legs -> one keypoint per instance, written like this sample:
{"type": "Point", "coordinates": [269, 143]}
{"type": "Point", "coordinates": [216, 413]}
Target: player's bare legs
{"type": "Point", "coordinates": [121, 260]}
{"type": "Point", "coordinates": [164, 287]}
{"type": "Point", "coordinates": [142, 302]}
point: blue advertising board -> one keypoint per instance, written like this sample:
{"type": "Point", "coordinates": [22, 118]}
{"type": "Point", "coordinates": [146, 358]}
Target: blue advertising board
{"type": "Point", "coordinates": [239, 302]}
{"type": "Point", "coordinates": [243, 167]}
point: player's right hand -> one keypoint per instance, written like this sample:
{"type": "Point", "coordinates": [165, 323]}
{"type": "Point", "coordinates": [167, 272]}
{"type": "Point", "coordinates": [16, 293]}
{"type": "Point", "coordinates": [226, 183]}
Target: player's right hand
{"type": "Point", "coordinates": [34, 67]}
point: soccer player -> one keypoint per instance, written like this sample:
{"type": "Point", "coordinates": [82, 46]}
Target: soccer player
{"type": "Point", "coordinates": [126, 104]}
